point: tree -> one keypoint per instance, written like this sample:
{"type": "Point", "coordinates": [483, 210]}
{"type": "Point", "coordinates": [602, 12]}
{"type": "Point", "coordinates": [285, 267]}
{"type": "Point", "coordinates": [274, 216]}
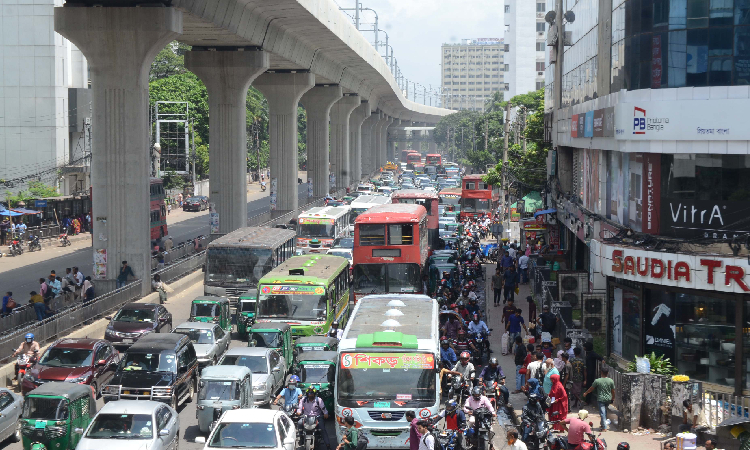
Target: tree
{"type": "Point", "coordinates": [169, 61]}
{"type": "Point", "coordinates": [301, 137]}
{"type": "Point", "coordinates": [184, 87]}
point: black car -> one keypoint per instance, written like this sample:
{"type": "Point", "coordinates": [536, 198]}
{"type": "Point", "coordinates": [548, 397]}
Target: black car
{"type": "Point", "coordinates": [197, 203]}
{"type": "Point", "coordinates": [159, 367]}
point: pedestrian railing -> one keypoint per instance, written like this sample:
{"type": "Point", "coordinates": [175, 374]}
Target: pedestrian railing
{"type": "Point", "coordinates": [44, 232]}
{"type": "Point", "coordinates": [178, 252]}
{"type": "Point", "coordinates": [716, 406]}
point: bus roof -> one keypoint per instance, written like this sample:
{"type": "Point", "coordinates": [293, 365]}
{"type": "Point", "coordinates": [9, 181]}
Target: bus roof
{"type": "Point", "coordinates": [475, 176]}
{"type": "Point", "coordinates": [314, 267]}
{"type": "Point", "coordinates": [450, 191]}
{"type": "Point", "coordinates": [415, 193]}
{"type": "Point", "coordinates": [393, 213]}
{"type": "Point", "coordinates": [260, 237]}
{"type": "Point", "coordinates": [368, 201]}
{"type": "Point", "coordinates": [329, 212]}
{"type": "Point", "coordinates": [414, 152]}
{"type": "Point", "coordinates": [420, 318]}
{"type": "Point", "coordinates": [434, 154]}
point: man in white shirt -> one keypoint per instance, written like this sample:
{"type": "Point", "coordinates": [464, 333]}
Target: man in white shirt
{"type": "Point", "coordinates": [523, 266]}
{"type": "Point", "coordinates": [513, 441]}
{"type": "Point", "coordinates": [512, 252]}
{"type": "Point", "coordinates": [427, 441]}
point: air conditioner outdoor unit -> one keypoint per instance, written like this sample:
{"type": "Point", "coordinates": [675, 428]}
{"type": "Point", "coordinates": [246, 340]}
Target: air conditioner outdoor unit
{"type": "Point", "coordinates": [571, 285]}
{"type": "Point", "coordinates": [595, 312]}
{"type": "Point", "coordinates": [540, 73]}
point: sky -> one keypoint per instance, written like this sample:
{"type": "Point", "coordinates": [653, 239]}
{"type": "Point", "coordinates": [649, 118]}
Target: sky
{"type": "Point", "coordinates": [417, 28]}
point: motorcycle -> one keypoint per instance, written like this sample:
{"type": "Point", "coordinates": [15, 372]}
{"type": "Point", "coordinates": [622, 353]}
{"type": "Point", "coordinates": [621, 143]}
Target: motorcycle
{"type": "Point", "coordinates": [538, 433]}
{"type": "Point", "coordinates": [310, 431]}
{"type": "Point", "coordinates": [263, 187]}
{"type": "Point", "coordinates": [481, 436]}
{"type": "Point", "coordinates": [63, 238]}
{"type": "Point", "coordinates": [24, 363]}
{"type": "Point", "coordinates": [459, 388]}
{"type": "Point", "coordinates": [34, 243]}
{"type": "Point", "coordinates": [595, 441]}
{"type": "Point", "coordinates": [15, 247]}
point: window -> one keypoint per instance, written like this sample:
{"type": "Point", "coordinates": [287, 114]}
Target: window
{"type": "Point", "coordinates": [163, 416]}
{"type": "Point", "coordinates": [540, 27]}
{"type": "Point", "coordinates": [506, 48]}
{"type": "Point", "coordinates": [282, 430]}
{"type": "Point", "coordinates": [541, 7]}
{"type": "Point", "coordinates": [540, 66]}
{"type": "Point", "coordinates": [371, 234]}
{"type": "Point", "coordinates": [539, 85]}
{"type": "Point", "coordinates": [400, 234]}
{"type": "Point", "coordinates": [506, 68]}
{"type": "Point", "coordinates": [507, 9]}
{"type": "Point", "coordinates": [540, 46]}
{"type": "Point", "coordinates": [470, 185]}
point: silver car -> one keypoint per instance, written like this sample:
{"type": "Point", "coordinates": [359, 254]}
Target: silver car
{"type": "Point", "coordinates": [11, 406]}
{"type": "Point", "coordinates": [209, 340]}
{"type": "Point", "coordinates": [129, 424]}
{"type": "Point", "coordinates": [268, 368]}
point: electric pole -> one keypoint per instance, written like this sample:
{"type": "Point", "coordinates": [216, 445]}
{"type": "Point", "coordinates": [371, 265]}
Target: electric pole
{"type": "Point", "coordinates": [506, 129]}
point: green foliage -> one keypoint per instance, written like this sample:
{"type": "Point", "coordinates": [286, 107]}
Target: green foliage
{"type": "Point", "coordinates": [169, 61]}
{"type": "Point", "coordinates": [36, 190]}
{"type": "Point", "coordinates": [184, 87]}
{"type": "Point", "coordinates": [659, 365]}
{"type": "Point", "coordinates": [172, 180]}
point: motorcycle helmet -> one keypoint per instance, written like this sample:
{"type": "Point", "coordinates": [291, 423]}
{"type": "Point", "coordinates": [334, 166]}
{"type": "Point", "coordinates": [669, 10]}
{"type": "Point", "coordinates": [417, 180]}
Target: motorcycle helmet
{"type": "Point", "coordinates": [465, 292]}
{"type": "Point", "coordinates": [623, 446]}
{"type": "Point", "coordinates": [465, 356]}
{"type": "Point", "coordinates": [444, 340]}
{"type": "Point", "coordinates": [294, 379]}
{"type": "Point", "coordinates": [310, 390]}
{"type": "Point", "coordinates": [444, 308]}
{"type": "Point", "coordinates": [450, 408]}
{"type": "Point", "coordinates": [533, 398]}
{"type": "Point", "coordinates": [493, 362]}
{"type": "Point", "coordinates": [476, 392]}
{"type": "Point", "coordinates": [335, 323]}
{"type": "Point", "coordinates": [476, 317]}
{"type": "Point", "coordinates": [29, 337]}
{"type": "Point", "coordinates": [461, 333]}
{"type": "Point", "coordinates": [454, 306]}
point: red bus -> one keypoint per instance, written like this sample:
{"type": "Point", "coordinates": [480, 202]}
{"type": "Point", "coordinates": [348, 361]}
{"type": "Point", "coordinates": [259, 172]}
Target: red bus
{"type": "Point", "coordinates": [413, 157]}
{"type": "Point", "coordinates": [477, 197]}
{"type": "Point", "coordinates": [451, 198]}
{"type": "Point", "coordinates": [390, 250]}
{"type": "Point", "coordinates": [433, 159]}
{"type": "Point", "coordinates": [158, 209]}
{"type": "Point", "coordinates": [404, 155]}
{"type": "Point", "coordinates": [427, 199]}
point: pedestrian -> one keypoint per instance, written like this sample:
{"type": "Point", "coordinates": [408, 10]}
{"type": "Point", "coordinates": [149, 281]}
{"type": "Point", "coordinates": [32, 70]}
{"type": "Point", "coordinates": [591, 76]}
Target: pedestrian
{"type": "Point", "coordinates": [565, 375]}
{"type": "Point", "coordinates": [78, 275]}
{"type": "Point", "coordinates": [168, 244]}
{"type": "Point", "coordinates": [427, 441]}
{"type": "Point", "coordinates": [510, 282]}
{"type": "Point", "coordinates": [508, 310]}
{"type": "Point", "coordinates": [88, 290]}
{"type": "Point", "coordinates": [497, 286]}
{"type": "Point", "coordinates": [4, 227]}
{"type": "Point", "coordinates": [349, 440]}
{"type": "Point", "coordinates": [519, 357]}
{"type": "Point", "coordinates": [160, 259]}
{"type": "Point", "coordinates": [169, 208]}
{"type": "Point", "coordinates": [592, 358]}
{"type": "Point", "coordinates": [532, 309]}
{"type": "Point", "coordinates": [577, 376]}
{"type": "Point", "coordinates": [605, 394]}
{"type": "Point", "coordinates": [710, 444]}
{"type": "Point", "coordinates": [8, 303]}
{"type": "Point", "coordinates": [549, 370]}
{"type": "Point", "coordinates": [125, 271]}
{"type": "Point", "coordinates": [414, 434]}
{"type": "Point", "coordinates": [179, 199]}
{"type": "Point", "coordinates": [513, 326]}
{"type": "Point", "coordinates": [69, 276]}
{"type": "Point", "coordinates": [38, 304]}
{"type": "Point", "coordinates": [523, 267]}
{"type": "Point", "coordinates": [65, 289]}
{"type": "Point", "coordinates": [547, 320]}
{"type": "Point", "coordinates": [44, 290]}
{"type": "Point", "coordinates": [559, 408]}
{"type": "Point", "coordinates": [568, 347]}
{"type": "Point", "coordinates": [506, 261]}
{"type": "Point", "coordinates": [514, 443]}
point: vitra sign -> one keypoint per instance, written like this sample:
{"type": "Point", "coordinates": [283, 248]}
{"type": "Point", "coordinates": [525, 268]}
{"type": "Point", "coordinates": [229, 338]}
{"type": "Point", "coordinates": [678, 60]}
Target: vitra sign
{"type": "Point", "coordinates": [703, 218]}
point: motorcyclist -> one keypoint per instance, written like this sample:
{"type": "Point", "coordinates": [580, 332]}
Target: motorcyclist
{"type": "Point", "coordinates": [473, 307]}
{"type": "Point", "coordinates": [478, 400]}
{"type": "Point", "coordinates": [447, 355]}
{"type": "Point", "coordinates": [291, 393]}
{"type": "Point", "coordinates": [531, 415]}
{"type": "Point", "coordinates": [478, 326]}
{"type": "Point", "coordinates": [492, 371]}
{"type": "Point", "coordinates": [465, 367]}
{"type": "Point", "coordinates": [312, 405]}
{"type": "Point", "coordinates": [465, 297]}
{"type": "Point", "coordinates": [29, 347]}
{"type": "Point", "coordinates": [462, 342]}
{"type": "Point", "coordinates": [452, 327]}
{"type": "Point", "coordinates": [455, 419]}
{"type": "Point", "coordinates": [335, 331]}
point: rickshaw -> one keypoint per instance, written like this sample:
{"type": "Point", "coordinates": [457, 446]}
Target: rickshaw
{"type": "Point", "coordinates": [275, 335]}
{"type": "Point", "coordinates": [306, 344]}
{"type": "Point", "coordinates": [246, 307]}
{"type": "Point", "coordinates": [55, 415]}
{"type": "Point", "coordinates": [223, 388]}
{"type": "Point", "coordinates": [318, 369]}
{"type": "Point", "coordinates": [212, 309]}
{"type": "Point", "coordinates": [437, 257]}
{"type": "Point", "coordinates": [451, 242]}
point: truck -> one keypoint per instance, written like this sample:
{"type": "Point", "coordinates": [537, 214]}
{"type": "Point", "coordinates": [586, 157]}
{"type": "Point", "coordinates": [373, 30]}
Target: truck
{"type": "Point", "coordinates": [388, 363]}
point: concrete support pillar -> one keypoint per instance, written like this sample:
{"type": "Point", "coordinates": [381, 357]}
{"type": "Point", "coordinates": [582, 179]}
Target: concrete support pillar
{"type": "Point", "coordinates": [283, 92]}
{"type": "Point", "coordinates": [120, 44]}
{"type": "Point", "coordinates": [404, 143]}
{"type": "Point", "coordinates": [318, 102]}
{"type": "Point", "coordinates": [376, 139]}
{"type": "Point", "coordinates": [356, 120]}
{"type": "Point", "coordinates": [393, 131]}
{"type": "Point", "coordinates": [368, 133]}
{"type": "Point", "coordinates": [383, 151]}
{"type": "Point", "coordinates": [432, 144]}
{"type": "Point", "coordinates": [227, 76]}
{"type": "Point", "coordinates": [341, 150]}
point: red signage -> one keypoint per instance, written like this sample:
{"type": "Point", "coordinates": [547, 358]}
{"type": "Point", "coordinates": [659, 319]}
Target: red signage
{"type": "Point", "coordinates": [574, 126]}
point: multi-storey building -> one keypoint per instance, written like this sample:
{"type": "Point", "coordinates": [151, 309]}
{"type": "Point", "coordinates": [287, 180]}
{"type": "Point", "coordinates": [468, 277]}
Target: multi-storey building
{"type": "Point", "coordinates": [525, 47]}
{"type": "Point", "coordinates": [471, 72]}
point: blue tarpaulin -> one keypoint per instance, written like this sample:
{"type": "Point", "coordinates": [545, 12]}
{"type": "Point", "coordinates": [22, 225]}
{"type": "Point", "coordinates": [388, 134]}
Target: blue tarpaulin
{"type": "Point", "coordinates": [6, 212]}
{"type": "Point", "coordinates": [25, 211]}
{"type": "Point", "coordinates": [546, 211]}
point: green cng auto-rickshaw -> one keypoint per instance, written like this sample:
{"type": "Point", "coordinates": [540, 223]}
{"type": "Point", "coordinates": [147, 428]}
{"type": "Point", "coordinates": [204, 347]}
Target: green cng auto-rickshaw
{"type": "Point", "coordinates": [55, 415]}
{"type": "Point", "coordinates": [305, 344]}
{"type": "Point", "coordinates": [276, 335]}
{"type": "Point", "coordinates": [212, 309]}
{"type": "Point", "coordinates": [246, 307]}
{"type": "Point", "coordinates": [318, 369]}
{"type": "Point", "coordinates": [222, 388]}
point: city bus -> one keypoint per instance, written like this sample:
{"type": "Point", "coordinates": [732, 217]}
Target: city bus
{"type": "Point", "coordinates": [433, 159]}
{"type": "Point", "coordinates": [324, 223]}
{"type": "Point", "coordinates": [404, 154]}
{"type": "Point", "coordinates": [387, 365]}
{"type": "Point", "coordinates": [477, 197]}
{"type": "Point", "coordinates": [428, 199]}
{"type": "Point", "coordinates": [390, 250]}
{"type": "Point", "coordinates": [413, 157]}
{"type": "Point", "coordinates": [308, 292]}
{"type": "Point", "coordinates": [362, 204]}
{"type": "Point", "coordinates": [236, 261]}
{"type": "Point", "coordinates": [157, 209]}
{"type": "Point", "coordinates": [450, 199]}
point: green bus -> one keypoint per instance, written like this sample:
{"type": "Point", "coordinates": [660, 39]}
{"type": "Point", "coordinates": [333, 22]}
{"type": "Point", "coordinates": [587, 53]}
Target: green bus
{"type": "Point", "coordinates": [308, 292]}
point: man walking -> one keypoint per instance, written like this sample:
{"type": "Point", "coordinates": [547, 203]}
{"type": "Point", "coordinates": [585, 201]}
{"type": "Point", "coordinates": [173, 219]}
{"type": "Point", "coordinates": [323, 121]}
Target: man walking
{"type": "Point", "coordinates": [605, 394]}
{"type": "Point", "coordinates": [125, 271]}
{"type": "Point", "coordinates": [519, 357]}
{"type": "Point", "coordinates": [513, 326]}
{"type": "Point", "coordinates": [497, 285]}
{"type": "Point", "coordinates": [510, 282]}
{"type": "Point", "coordinates": [523, 267]}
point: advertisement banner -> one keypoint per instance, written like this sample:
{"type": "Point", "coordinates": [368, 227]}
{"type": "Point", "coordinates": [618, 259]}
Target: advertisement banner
{"type": "Point", "coordinates": [292, 289]}
{"type": "Point", "coordinates": [274, 187]}
{"type": "Point", "coordinates": [100, 263]}
{"type": "Point", "coordinates": [514, 215]}
{"type": "Point", "coordinates": [703, 218]}
{"type": "Point", "coordinates": [387, 361]}
{"type": "Point", "coordinates": [651, 193]}
{"type": "Point", "coordinates": [660, 325]}
{"type": "Point", "coordinates": [574, 126]}
{"type": "Point", "coordinates": [588, 128]}
{"type": "Point", "coordinates": [599, 123]}
{"type": "Point", "coordinates": [213, 218]}
{"type": "Point", "coordinates": [656, 63]}
{"type": "Point", "coordinates": [315, 221]}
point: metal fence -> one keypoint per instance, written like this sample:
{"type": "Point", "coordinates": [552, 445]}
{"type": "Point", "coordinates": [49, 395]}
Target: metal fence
{"type": "Point", "coordinates": [716, 406]}
{"type": "Point", "coordinates": [178, 252]}
{"type": "Point", "coordinates": [44, 231]}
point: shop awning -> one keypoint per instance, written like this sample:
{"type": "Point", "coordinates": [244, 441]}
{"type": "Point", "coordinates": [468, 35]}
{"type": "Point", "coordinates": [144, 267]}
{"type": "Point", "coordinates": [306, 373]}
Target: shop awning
{"type": "Point", "coordinates": [546, 211]}
{"type": "Point", "coordinates": [6, 212]}
{"type": "Point", "coordinates": [26, 212]}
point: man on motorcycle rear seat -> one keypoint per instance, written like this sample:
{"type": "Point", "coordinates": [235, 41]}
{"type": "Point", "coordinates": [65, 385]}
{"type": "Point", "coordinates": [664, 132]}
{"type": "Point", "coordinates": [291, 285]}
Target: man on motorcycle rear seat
{"type": "Point", "coordinates": [446, 352]}
{"type": "Point", "coordinates": [451, 327]}
{"type": "Point", "coordinates": [473, 307]}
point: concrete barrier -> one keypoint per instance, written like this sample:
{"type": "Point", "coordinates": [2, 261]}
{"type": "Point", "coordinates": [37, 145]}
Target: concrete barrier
{"type": "Point", "coordinates": [96, 329]}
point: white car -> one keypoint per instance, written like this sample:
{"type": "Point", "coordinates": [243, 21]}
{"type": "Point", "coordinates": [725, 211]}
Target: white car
{"type": "Point", "coordinates": [132, 424]}
{"type": "Point", "coordinates": [252, 429]}
{"type": "Point", "coordinates": [343, 252]}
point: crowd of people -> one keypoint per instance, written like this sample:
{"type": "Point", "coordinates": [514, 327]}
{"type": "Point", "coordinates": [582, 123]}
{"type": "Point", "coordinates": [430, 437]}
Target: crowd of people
{"type": "Point", "coordinates": [55, 292]}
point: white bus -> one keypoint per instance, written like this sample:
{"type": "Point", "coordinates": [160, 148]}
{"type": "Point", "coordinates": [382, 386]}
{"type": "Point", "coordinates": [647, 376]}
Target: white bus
{"type": "Point", "coordinates": [324, 223]}
{"type": "Point", "coordinates": [362, 204]}
{"type": "Point", "coordinates": [388, 363]}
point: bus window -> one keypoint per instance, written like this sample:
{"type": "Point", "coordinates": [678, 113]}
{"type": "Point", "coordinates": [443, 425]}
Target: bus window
{"type": "Point", "coordinates": [401, 234]}
{"type": "Point", "coordinates": [371, 234]}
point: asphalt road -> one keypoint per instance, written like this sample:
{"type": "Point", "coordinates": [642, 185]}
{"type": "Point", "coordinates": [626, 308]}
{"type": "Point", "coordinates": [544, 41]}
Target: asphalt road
{"type": "Point", "coordinates": [22, 280]}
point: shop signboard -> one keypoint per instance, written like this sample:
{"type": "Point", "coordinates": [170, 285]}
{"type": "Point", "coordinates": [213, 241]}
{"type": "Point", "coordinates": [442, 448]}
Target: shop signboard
{"type": "Point", "coordinates": [651, 193]}
{"type": "Point", "coordinates": [660, 326]}
{"type": "Point", "coordinates": [703, 218]}
{"type": "Point", "coordinates": [514, 215]}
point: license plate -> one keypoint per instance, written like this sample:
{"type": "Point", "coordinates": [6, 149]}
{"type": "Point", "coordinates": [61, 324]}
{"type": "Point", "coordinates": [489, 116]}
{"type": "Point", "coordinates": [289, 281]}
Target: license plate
{"type": "Point", "coordinates": [127, 341]}
{"type": "Point", "coordinates": [40, 424]}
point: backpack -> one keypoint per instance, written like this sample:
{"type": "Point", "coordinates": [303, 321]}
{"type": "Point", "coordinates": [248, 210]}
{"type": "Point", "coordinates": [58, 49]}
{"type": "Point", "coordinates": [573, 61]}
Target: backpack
{"type": "Point", "coordinates": [362, 441]}
{"type": "Point", "coordinates": [539, 374]}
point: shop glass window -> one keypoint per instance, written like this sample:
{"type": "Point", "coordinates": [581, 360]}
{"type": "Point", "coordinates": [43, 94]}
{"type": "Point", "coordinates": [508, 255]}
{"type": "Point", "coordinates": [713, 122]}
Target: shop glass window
{"type": "Point", "coordinates": [697, 13]}
{"type": "Point", "coordinates": [626, 315]}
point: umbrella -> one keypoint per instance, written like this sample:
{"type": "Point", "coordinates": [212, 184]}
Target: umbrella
{"type": "Point", "coordinates": [7, 212]}
{"type": "Point", "coordinates": [25, 211]}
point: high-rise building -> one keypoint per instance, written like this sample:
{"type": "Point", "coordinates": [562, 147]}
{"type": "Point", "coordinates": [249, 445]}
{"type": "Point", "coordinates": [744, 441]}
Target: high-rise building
{"type": "Point", "coordinates": [45, 106]}
{"type": "Point", "coordinates": [472, 72]}
{"type": "Point", "coordinates": [525, 46]}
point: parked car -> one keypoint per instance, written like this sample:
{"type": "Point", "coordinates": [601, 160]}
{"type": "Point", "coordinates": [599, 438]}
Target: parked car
{"type": "Point", "coordinates": [131, 424]}
{"type": "Point", "coordinates": [209, 340]}
{"type": "Point", "coordinates": [134, 320]}
{"type": "Point", "coordinates": [83, 361]}
{"type": "Point", "coordinates": [161, 367]}
{"type": "Point", "coordinates": [268, 368]}
{"type": "Point", "coordinates": [252, 428]}
{"type": "Point", "coordinates": [11, 406]}
{"type": "Point", "coordinates": [197, 203]}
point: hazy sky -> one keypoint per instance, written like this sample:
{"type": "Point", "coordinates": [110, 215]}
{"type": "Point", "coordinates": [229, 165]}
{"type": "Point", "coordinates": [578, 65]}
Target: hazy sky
{"type": "Point", "coordinates": [417, 29]}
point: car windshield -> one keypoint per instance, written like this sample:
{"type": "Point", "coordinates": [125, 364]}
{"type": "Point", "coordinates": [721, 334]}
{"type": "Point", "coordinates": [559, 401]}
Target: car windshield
{"type": "Point", "coordinates": [302, 306]}
{"type": "Point", "coordinates": [218, 390]}
{"type": "Point", "coordinates": [342, 254]}
{"type": "Point", "coordinates": [238, 265]}
{"type": "Point", "coordinates": [148, 362]}
{"type": "Point", "coordinates": [121, 426]}
{"type": "Point", "coordinates": [243, 435]}
{"type": "Point", "coordinates": [134, 315]}
{"type": "Point", "coordinates": [316, 230]}
{"type": "Point", "coordinates": [248, 305]}
{"type": "Point", "coordinates": [45, 408]}
{"type": "Point", "coordinates": [317, 373]}
{"type": "Point", "coordinates": [197, 336]}
{"type": "Point", "coordinates": [67, 357]}
{"type": "Point", "coordinates": [204, 310]}
{"type": "Point", "coordinates": [256, 364]}
{"type": "Point", "coordinates": [267, 339]}
{"type": "Point", "coordinates": [193, 200]}
{"type": "Point", "coordinates": [347, 242]}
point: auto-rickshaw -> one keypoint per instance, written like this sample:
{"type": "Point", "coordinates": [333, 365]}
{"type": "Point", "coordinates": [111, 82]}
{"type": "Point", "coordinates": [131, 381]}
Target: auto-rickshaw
{"type": "Point", "coordinates": [55, 415]}
{"type": "Point", "coordinates": [318, 369]}
{"type": "Point", "coordinates": [246, 307]}
{"type": "Point", "coordinates": [276, 335]}
{"type": "Point", "coordinates": [222, 388]}
{"type": "Point", "coordinates": [212, 309]}
{"type": "Point", "coordinates": [306, 344]}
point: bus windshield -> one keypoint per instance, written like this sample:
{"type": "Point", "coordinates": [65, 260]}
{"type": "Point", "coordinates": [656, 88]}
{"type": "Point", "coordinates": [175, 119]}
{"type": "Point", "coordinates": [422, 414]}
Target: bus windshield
{"type": "Point", "coordinates": [416, 387]}
{"type": "Point", "coordinates": [391, 277]}
{"type": "Point", "coordinates": [316, 230]}
{"type": "Point", "coordinates": [238, 265]}
{"type": "Point", "coordinates": [293, 306]}
{"type": "Point", "coordinates": [475, 204]}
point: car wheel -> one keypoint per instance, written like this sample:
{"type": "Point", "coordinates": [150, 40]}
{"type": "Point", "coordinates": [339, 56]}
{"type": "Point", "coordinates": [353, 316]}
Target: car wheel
{"type": "Point", "coordinates": [191, 391]}
{"type": "Point", "coordinates": [16, 436]}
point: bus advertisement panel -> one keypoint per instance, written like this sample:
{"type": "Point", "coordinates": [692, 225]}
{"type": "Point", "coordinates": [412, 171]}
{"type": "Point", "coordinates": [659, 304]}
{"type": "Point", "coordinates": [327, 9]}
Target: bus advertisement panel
{"type": "Point", "coordinates": [477, 197]}
{"type": "Point", "coordinates": [450, 199]}
{"type": "Point", "coordinates": [308, 292]}
{"type": "Point", "coordinates": [324, 224]}
{"type": "Point", "coordinates": [429, 200]}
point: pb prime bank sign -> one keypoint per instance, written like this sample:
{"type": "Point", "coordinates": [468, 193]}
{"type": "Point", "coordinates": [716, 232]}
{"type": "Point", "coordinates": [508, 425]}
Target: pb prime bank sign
{"type": "Point", "coordinates": [685, 120]}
